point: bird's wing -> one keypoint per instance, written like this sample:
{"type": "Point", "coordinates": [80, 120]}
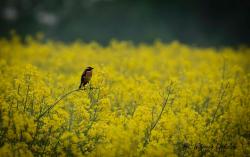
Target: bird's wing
{"type": "Point", "coordinates": [83, 76]}
{"type": "Point", "coordinates": [84, 73]}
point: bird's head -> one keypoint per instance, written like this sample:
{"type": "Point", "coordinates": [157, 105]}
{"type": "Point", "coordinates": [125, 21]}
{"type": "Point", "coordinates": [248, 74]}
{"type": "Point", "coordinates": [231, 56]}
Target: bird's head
{"type": "Point", "coordinates": [89, 68]}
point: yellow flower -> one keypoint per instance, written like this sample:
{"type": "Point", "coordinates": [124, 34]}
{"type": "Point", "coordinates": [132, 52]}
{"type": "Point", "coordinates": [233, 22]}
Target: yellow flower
{"type": "Point", "coordinates": [143, 100]}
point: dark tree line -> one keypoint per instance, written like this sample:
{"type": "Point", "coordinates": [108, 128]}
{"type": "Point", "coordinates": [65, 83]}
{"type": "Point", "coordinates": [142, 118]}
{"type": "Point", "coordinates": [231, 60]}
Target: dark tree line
{"type": "Point", "coordinates": [196, 22]}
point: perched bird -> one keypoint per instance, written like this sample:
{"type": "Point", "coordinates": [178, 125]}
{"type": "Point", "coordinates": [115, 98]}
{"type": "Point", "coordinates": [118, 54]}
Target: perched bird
{"type": "Point", "coordinates": [86, 76]}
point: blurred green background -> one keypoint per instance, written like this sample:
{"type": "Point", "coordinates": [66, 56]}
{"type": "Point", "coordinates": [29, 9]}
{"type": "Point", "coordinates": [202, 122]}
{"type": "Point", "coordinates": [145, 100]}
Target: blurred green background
{"type": "Point", "coordinates": [197, 22]}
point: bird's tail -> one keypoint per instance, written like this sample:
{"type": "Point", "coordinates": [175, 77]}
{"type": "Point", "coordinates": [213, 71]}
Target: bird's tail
{"type": "Point", "coordinates": [80, 86]}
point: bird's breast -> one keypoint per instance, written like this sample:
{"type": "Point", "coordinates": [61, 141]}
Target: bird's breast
{"type": "Point", "coordinates": [88, 75]}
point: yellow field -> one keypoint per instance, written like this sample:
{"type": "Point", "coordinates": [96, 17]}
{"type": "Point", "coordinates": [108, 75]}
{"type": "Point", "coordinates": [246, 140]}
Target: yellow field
{"type": "Point", "coordinates": [144, 100]}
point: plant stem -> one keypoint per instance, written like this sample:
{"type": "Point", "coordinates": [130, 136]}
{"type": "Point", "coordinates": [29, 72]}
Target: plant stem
{"type": "Point", "coordinates": [55, 103]}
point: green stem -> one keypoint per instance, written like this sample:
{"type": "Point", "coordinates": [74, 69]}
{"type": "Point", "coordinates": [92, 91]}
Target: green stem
{"type": "Point", "coordinates": [55, 103]}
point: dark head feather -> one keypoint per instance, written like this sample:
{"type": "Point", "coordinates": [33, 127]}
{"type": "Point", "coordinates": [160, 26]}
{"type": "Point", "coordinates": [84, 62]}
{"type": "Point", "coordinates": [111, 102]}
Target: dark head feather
{"type": "Point", "coordinates": [89, 68]}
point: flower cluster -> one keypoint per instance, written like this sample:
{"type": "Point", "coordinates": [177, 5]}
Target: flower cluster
{"type": "Point", "coordinates": [143, 100]}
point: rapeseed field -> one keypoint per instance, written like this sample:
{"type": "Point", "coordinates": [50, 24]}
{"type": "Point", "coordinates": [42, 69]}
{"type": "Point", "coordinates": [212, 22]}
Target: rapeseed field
{"type": "Point", "coordinates": [161, 99]}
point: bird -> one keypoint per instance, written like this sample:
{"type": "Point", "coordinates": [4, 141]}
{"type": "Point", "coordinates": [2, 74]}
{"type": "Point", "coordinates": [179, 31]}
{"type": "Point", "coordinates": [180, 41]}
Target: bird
{"type": "Point", "coordinates": [86, 76]}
